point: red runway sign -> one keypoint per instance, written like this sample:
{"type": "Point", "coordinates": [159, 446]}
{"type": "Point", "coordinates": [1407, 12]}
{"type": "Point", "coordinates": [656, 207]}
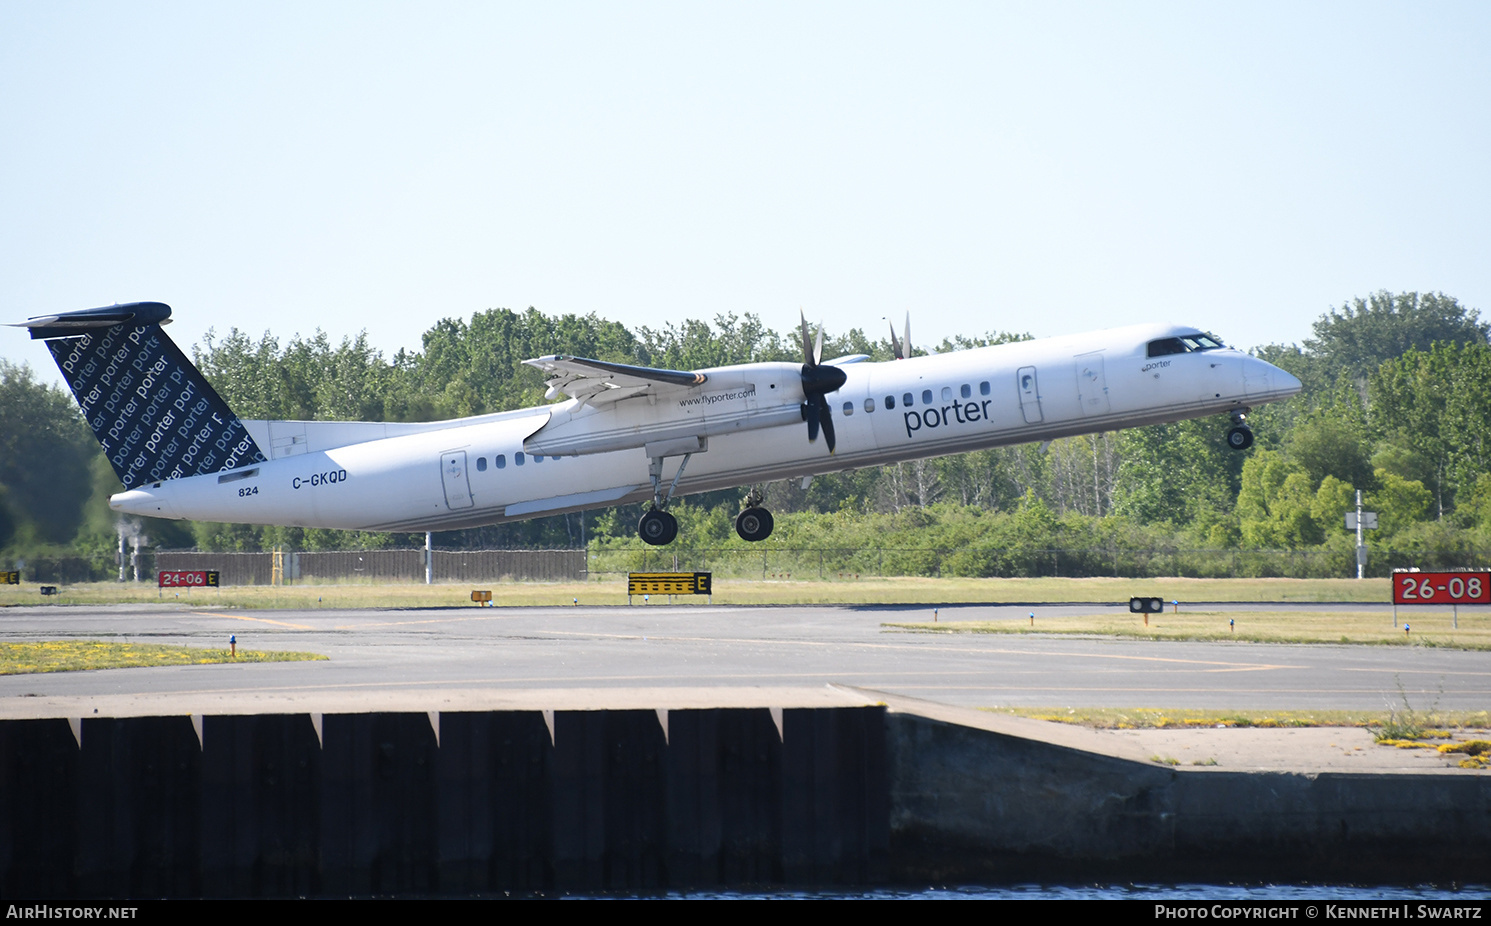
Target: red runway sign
{"type": "Point", "coordinates": [188, 578]}
{"type": "Point", "coordinates": [1442, 587]}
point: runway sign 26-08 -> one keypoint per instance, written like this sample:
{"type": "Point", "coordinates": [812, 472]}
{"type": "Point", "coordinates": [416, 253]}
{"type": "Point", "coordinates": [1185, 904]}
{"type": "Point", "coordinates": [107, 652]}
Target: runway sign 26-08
{"type": "Point", "coordinates": [188, 578]}
{"type": "Point", "coordinates": [1442, 588]}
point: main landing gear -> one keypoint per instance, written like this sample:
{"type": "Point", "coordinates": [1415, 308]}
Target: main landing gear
{"type": "Point", "coordinates": [754, 523]}
{"type": "Point", "coordinates": [1241, 436]}
{"type": "Point", "coordinates": [657, 526]}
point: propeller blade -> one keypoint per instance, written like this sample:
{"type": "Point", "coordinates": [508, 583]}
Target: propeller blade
{"type": "Point", "coordinates": [900, 348]}
{"type": "Point", "coordinates": [828, 425]}
{"type": "Point", "coordinates": [818, 379]}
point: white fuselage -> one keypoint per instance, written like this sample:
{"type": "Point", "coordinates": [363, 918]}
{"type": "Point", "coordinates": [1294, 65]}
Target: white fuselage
{"type": "Point", "coordinates": [744, 420]}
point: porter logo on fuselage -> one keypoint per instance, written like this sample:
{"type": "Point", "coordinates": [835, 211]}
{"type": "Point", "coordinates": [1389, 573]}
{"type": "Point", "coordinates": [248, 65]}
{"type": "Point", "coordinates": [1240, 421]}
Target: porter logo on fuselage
{"type": "Point", "coordinates": [955, 412]}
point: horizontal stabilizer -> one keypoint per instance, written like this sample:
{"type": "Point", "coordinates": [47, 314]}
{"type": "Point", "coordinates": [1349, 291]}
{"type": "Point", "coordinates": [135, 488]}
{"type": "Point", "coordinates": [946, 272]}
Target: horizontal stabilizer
{"type": "Point", "coordinates": [72, 324]}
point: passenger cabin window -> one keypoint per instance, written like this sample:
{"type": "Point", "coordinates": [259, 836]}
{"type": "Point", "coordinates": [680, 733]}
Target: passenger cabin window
{"type": "Point", "coordinates": [906, 400]}
{"type": "Point", "coordinates": [518, 458]}
{"type": "Point", "coordinates": [926, 397]}
{"type": "Point", "coordinates": [890, 402]}
{"type": "Point", "coordinates": [966, 391]}
{"type": "Point", "coordinates": [481, 464]}
{"type": "Point", "coordinates": [983, 388]}
{"type": "Point", "coordinates": [1184, 344]}
{"type": "Point", "coordinates": [500, 460]}
{"type": "Point", "coordinates": [869, 405]}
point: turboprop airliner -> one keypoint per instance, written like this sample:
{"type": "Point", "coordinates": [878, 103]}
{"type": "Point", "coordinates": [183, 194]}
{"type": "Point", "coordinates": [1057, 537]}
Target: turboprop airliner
{"type": "Point", "coordinates": [616, 434]}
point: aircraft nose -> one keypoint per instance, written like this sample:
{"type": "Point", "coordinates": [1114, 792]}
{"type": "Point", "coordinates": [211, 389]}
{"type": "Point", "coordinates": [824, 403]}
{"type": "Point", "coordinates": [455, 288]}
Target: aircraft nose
{"type": "Point", "coordinates": [1267, 381]}
{"type": "Point", "coordinates": [1286, 383]}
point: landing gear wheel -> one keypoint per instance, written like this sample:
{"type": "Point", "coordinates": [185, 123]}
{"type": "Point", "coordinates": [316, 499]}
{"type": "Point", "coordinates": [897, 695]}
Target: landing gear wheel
{"type": "Point", "coordinates": [754, 524]}
{"type": "Point", "coordinates": [657, 527]}
{"type": "Point", "coordinates": [1240, 438]}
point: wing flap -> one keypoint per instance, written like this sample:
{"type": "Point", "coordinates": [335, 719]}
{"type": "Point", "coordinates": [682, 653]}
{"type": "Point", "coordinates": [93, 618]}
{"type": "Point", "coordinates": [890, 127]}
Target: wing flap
{"type": "Point", "coordinates": [598, 381]}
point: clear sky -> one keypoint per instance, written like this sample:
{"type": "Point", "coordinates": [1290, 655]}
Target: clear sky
{"type": "Point", "coordinates": [1035, 166]}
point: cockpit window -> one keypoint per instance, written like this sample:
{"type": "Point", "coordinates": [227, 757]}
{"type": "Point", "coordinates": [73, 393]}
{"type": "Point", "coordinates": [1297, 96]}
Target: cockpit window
{"type": "Point", "coordinates": [1166, 346]}
{"type": "Point", "coordinates": [1184, 344]}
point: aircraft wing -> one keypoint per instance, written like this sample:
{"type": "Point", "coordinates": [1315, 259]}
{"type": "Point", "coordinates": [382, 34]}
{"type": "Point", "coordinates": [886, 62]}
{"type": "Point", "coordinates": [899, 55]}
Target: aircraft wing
{"type": "Point", "coordinates": [596, 382]}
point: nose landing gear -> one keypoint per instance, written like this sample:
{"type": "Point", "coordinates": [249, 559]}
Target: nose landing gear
{"type": "Point", "coordinates": [1241, 436]}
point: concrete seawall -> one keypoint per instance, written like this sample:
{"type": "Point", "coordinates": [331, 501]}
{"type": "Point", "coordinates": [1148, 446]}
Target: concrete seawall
{"type": "Point", "coordinates": [977, 805]}
{"type": "Point", "coordinates": [489, 801]}
{"type": "Point", "coordinates": [413, 803]}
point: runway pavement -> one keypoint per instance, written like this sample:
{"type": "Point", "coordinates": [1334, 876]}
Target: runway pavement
{"type": "Point", "coordinates": [661, 655]}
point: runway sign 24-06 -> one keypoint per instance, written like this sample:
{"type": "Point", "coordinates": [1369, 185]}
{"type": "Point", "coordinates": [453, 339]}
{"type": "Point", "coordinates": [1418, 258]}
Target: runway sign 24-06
{"type": "Point", "coordinates": [1442, 588]}
{"type": "Point", "coordinates": [188, 578]}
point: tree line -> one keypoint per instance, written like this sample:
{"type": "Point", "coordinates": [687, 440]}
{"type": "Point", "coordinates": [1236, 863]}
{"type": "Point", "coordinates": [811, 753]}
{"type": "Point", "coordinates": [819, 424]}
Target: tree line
{"type": "Point", "coordinates": [1397, 404]}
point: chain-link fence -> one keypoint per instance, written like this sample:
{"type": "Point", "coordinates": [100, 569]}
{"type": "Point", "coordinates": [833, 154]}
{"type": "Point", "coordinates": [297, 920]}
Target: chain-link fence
{"type": "Point", "coordinates": [382, 566]}
{"type": "Point", "coordinates": [832, 563]}
{"type": "Point", "coordinates": [232, 568]}
{"type": "Point", "coordinates": [769, 562]}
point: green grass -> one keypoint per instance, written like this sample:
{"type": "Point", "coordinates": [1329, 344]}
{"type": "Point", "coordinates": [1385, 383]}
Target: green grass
{"type": "Point", "coordinates": [1430, 627]}
{"type": "Point", "coordinates": [1161, 719]}
{"type": "Point", "coordinates": [79, 655]}
{"type": "Point", "coordinates": [610, 589]}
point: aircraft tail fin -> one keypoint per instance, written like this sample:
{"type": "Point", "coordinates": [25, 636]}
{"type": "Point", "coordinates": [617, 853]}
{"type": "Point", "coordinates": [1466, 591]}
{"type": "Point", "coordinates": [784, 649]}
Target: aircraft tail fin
{"type": "Point", "coordinates": [153, 411]}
